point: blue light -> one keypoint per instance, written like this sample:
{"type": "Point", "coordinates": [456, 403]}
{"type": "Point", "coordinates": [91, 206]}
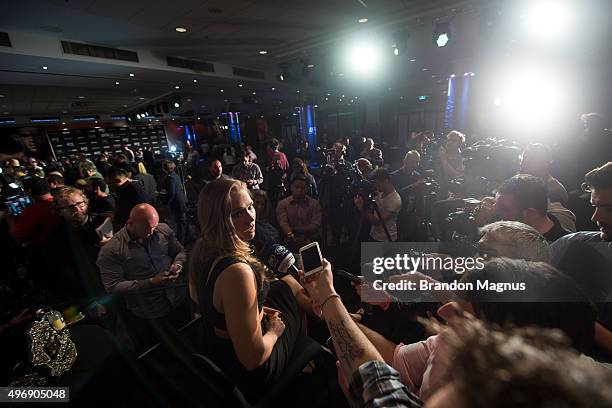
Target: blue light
{"type": "Point", "coordinates": [422, 97]}
{"type": "Point", "coordinates": [173, 148]}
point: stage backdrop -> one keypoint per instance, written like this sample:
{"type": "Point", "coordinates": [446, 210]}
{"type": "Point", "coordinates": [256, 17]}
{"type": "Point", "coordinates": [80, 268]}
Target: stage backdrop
{"type": "Point", "coordinates": [92, 141]}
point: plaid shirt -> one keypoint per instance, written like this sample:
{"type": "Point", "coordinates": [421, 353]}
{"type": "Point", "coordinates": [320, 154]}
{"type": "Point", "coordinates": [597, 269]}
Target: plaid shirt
{"type": "Point", "coordinates": [249, 172]}
{"type": "Point", "coordinates": [377, 384]}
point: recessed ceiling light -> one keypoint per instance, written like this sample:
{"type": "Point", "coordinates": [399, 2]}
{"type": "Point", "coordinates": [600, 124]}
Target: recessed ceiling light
{"type": "Point", "coordinates": [195, 80]}
{"type": "Point", "coordinates": [326, 98]}
{"type": "Point", "coordinates": [188, 99]}
{"type": "Point", "coordinates": [45, 67]}
{"type": "Point", "coordinates": [181, 29]}
{"type": "Point", "coordinates": [63, 123]}
{"type": "Point", "coordinates": [131, 74]}
{"type": "Point", "coordinates": [263, 52]}
{"type": "Point", "coordinates": [424, 69]}
{"type": "Point", "coordinates": [116, 82]}
{"type": "Point", "coordinates": [310, 66]}
{"type": "Point", "coordinates": [81, 97]}
{"type": "Point", "coordinates": [254, 93]}
{"type": "Point", "coordinates": [176, 87]}
{"type": "Point", "coordinates": [412, 59]}
{"type": "Point", "coordinates": [298, 91]}
{"type": "Point", "coordinates": [274, 89]}
{"type": "Point", "coordinates": [221, 90]}
{"type": "Point", "coordinates": [362, 20]}
{"type": "Point", "coordinates": [141, 98]}
{"type": "Point", "coordinates": [239, 85]}
{"type": "Point", "coordinates": [198, 118]}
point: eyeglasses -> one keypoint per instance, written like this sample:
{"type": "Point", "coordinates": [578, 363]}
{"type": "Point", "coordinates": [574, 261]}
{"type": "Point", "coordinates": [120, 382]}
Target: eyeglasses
{"type": "Point", "coordinates": [80, 204]}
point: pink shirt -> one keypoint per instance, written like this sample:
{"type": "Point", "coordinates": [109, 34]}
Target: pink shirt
{"type": "Point", "coordinates": [424, 367]}
{"type": "Point", "coordinates": [291, 213]}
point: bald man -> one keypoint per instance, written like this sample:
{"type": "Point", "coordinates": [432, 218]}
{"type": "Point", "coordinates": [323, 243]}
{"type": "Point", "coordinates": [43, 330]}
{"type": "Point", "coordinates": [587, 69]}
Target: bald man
{"type": "Point", "coordinates": [408, 174]}
{"type": "Point", "coordinates": [143, 262]}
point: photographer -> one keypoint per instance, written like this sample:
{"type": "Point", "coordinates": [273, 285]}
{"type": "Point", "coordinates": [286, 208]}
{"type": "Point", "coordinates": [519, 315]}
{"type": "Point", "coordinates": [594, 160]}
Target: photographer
{"type": "Point", "coordinates": [408, 175]}
{"type": "Point", "coordinates": [389, 204]}
{"type": "Point", "coordinates": [523, 198]}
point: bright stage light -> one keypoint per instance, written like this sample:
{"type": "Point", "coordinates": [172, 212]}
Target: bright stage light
{"type": "Point", "coordinates": [548, 18]}
{"type": "Point", "coordinates": [532, 98]}
{"type": "Point", "coordinates": [364, 59]}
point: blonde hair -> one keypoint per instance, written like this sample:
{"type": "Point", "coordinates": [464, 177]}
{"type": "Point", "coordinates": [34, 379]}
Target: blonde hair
{"type": "Point", "coordinates": [141, 168]}
{"type": "Point", "coordinates": [218, 236]}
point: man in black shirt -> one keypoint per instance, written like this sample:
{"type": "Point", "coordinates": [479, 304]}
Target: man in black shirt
{"type": "Point", "coordinates": [100, 202]}
{"type": "Point", "coordinates": [74, 251]}
{"type": "Point", "coordinates": [176, 199]}
{"type": "Point", "coordinates": [408, 175]}
{"type": "Point", "coordinates": [524, 198]}
{"type": "Point", "coordinates": [129, 194]}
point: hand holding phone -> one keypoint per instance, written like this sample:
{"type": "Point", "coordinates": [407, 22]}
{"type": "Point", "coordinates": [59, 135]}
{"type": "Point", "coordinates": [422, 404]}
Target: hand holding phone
{"type": "Point", "coordinates": [311, 258]}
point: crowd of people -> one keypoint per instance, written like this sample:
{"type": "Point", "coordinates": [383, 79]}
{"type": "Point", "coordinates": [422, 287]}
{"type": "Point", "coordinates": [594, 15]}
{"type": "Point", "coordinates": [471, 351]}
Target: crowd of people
{"type": "Point", "coordinates": [141, 245]}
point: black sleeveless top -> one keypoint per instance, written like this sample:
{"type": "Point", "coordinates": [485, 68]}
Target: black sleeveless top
{"type": "Point", "coordinates": [212, 317]}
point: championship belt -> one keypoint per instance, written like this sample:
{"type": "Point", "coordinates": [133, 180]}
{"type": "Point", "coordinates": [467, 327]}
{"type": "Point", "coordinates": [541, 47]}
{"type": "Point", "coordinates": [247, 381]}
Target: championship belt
{"type": "Point", "coordinates": [50, 342]}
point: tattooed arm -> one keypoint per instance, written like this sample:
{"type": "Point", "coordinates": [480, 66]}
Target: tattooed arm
{"type": "Point", "coordinates": [351, 345]}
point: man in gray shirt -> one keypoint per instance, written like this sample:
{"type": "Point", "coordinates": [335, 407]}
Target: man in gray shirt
{"type": "Point", "coordinates": [143, 262]}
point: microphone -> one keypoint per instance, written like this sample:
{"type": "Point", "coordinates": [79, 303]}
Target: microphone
{"type": "Point", "coordinates": [280, 260]}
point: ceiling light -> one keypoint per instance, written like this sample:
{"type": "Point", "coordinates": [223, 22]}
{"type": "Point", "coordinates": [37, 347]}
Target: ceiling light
{"type": "Point", "coordinates": [221, 90]}
{"type": "Point", "coordinates": [195, 80]}
{"type": "Point", "coordinates": [116, 82]}
{"type": "Point", "coordinates": [63, 123]}
{"type": "Point", "coordinates": [310, 66]}
{"type": "Point", "coordinates": [45, 67]}
{"type": "Point", "coordinates": [141, 98]}
{"type": "Point", "coordinates": [281, 77]}
{"type": "Point", "coordinates": [181, 29]}
{"type": "Point", "coordinates": [131, 74]}
{"type": "Point", "coordinates": [396, 51]}
{"type": "Point", "coordinates": [81, 97]}
{"type": "Point", "coordinates": [441, 34]}
{"type": "Point", "coordinates": [362, 20]}
{"type": "Point", "coordinates": [298, 91]}
{"type": "Point", "coordinates": [263, 52]}
{"type": "Point", "coordinates": [176, 87]}
{"type": "Point", "coordinates": [412, 59]}
{"type": "Point", "coordinates": [254, 93]}
{"type": "Point", "coordinates": [273, 89]}
{"type": "Point", "coordinates": [239, 85]}
{"type": "Point", "coordinates": [423, 69]}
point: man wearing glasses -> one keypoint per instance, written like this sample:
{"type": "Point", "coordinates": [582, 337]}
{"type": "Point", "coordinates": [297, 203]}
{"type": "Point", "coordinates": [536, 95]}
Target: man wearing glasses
{"type": "Point", "coordinates": [75, 247]}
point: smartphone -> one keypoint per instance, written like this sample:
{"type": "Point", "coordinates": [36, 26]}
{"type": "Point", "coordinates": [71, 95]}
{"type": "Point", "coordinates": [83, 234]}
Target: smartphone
{"type": "Point", "coordinates": [17, 204]}
{"type": "Point", "coordinates": [311, 258]}
{"type": "Point", "coordinates": [350, 276]}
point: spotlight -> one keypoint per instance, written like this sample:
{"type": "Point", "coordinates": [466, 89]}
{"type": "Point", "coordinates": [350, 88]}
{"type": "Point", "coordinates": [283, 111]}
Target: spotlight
{"type": "Point", "coordinates": [364, 59]}
{"type": "Point", "coordinates": [442, 34]}
{"type": "Point", "coordinates": [396, 51]}
{"type": "Point", "coordinates": [176, 105]}
{"type": "Point", "coordinates": [547, 18]}
{"type": "Point", "coordinates": [497, 101]}
{"type": "Point", "coordinates": [138, 116]}
{"type": "Point", "coordinates": [452, 75]}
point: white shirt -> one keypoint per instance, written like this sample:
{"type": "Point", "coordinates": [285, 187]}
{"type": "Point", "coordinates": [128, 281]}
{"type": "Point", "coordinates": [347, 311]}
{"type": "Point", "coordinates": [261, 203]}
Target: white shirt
{"type": "Point", "coordinates": [392, 203]}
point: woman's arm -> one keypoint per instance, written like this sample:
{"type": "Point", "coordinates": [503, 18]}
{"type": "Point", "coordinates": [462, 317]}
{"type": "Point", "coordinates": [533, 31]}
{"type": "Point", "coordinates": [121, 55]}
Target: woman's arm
{"type": "Point", "coordinates": [238, 292]}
